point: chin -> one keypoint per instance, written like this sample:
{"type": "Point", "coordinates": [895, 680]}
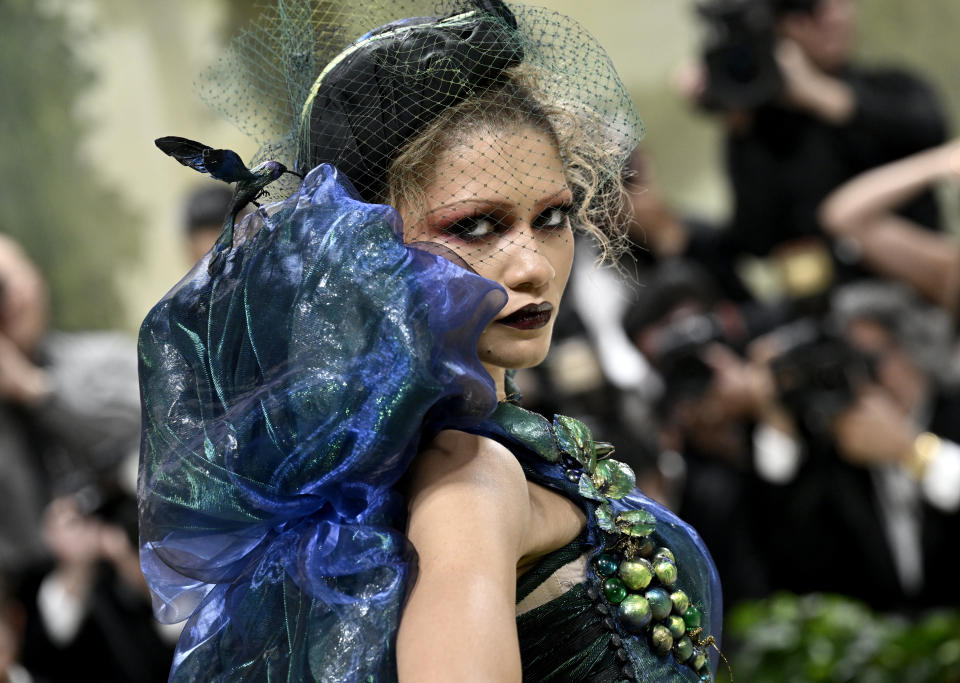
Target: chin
{"type": "Point", "coordinates": [521, 355]}
{"type": "Point", "coordinates": [506, 348]}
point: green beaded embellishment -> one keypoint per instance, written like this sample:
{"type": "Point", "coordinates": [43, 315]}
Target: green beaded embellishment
{"type": "Point", "coordinates": [660, 604]}
{"type": "Point", "coordinates": [606, 564]}
{"type": "Point", "coordinates": [614, 590]}
{"type": "Point", "coordinates": [574, 439]}
{"type": "Point", "coordinates": [637, 577]}
{"type": "Point", "coordinates": [613, 479]}
{"type": "Point", "coordinates": [636, 574]}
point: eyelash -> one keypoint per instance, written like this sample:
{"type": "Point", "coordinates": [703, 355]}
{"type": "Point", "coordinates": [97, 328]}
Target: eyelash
{"type": "Point", "coordinates": [562, 215]}
{"type": "Point", "coordinates": [466, 229]}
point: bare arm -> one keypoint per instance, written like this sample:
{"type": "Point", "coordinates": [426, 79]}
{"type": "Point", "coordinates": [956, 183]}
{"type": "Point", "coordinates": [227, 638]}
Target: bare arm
{"type": "Point", "coordinates": [929, 262]}
{"type": "Point", "coordinates": [808, 88]}
{"type": "Point", "coordinates": [862, 209]}
{"type": "Point", "coordinates": [469, 510]}
{"type": "Point", "coordinates": [881, 190]}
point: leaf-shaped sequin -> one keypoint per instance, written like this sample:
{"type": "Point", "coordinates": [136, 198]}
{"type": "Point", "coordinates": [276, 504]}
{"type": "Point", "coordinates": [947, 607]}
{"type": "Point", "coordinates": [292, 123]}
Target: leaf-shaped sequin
{"type": "Point", "coordinates": [530, 429]}
{"type": "Point", "coordinates": [574, 438]}
{"type": "Point", "coordinates": [605, 518]}
{"type": "Point", "coordinates": [613, 479]}
{"type": "Point", "coordinates": [588, 490]}
{"type": "Point", "coordinates": [636, 523]}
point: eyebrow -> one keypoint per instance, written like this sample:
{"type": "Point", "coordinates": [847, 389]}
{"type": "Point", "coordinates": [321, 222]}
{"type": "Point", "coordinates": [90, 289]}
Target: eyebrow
{"type": "Point", "coordinates": [563, 195]}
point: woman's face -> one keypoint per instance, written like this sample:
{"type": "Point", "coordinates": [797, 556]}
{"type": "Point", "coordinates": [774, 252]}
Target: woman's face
{"type": "Point", "coordinates": [501, 202]}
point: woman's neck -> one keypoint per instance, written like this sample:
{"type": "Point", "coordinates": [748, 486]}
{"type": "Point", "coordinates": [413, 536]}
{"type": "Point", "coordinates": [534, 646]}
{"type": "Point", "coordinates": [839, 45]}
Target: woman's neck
{"type": "Point", "coordinates": [499, 379]}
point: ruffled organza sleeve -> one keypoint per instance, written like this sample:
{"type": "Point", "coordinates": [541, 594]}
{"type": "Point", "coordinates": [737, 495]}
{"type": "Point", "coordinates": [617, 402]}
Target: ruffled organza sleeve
{"type": "Point", "coordinates": [282, 401]}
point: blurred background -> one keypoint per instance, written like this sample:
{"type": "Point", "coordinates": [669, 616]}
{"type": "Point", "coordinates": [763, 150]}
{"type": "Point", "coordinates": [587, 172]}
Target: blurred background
{"type": "Point", "coordinates": [735, 383]}
{"type": "Point", "coordinates": [89, 84]}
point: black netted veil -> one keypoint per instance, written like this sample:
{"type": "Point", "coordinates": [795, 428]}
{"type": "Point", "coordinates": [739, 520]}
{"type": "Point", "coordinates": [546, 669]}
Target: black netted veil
{"type": "Point", "coordinates": [385, 88]}
{"type": "Point", "coordinates": [350, 82]}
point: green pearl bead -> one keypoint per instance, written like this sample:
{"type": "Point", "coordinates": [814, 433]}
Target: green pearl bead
{"type": "Point", "coordinates": [683, 649]}
{"type": "Point", "coordinates": [636, 574]}
{"type": "Point", "coordinates": [680, 602]}
{"type": "Point", "coordinates": [606, 564]}
{"type": "Point", "coordinates": [613, 590]}
{"type": "Point", "coordinates": [634, 612]}
{"type": "Point", "coordinates": [661, 640]}
{"type": "Point", "coordinates": [692, 617]}
{"type": "Point", "coordinates": [666, 571]}
{"type": "Point", "coordinates": [699, 659]}
{"type": "Point", "coordinates": [664, 552]}
{"type": "Point", "coordinates": [676, 625]}
{"type": "Point", "coordinates": [660, 604]}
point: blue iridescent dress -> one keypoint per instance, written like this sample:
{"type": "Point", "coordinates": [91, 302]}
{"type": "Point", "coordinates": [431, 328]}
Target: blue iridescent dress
{"type": "Point", "coordinates": [283, 400]}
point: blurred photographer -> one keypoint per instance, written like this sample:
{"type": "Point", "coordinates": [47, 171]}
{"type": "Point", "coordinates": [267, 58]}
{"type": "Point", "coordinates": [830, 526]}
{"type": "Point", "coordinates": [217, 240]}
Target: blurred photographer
{"type": "Point", "coordinates": [712, 404]}
{"type": "Point", "coordinates": [870, 502]}
{"type": "Point", "coordinates": [203, 210]}
{"type": "Point", "coordinates": [69, 442]}
{"type": "Point", "coordinates": [801, 117]}
{"type": "Point", "coordinates": [69, 405]}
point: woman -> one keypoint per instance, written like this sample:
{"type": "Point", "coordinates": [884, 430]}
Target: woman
{"type": "Point", "coordinates": [336, 483]}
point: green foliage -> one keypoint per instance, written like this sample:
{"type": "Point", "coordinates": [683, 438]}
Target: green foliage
{"type": "Point", "coordinates": [830, 638]}
{"type": "Point", "coordinates": [77, 230]}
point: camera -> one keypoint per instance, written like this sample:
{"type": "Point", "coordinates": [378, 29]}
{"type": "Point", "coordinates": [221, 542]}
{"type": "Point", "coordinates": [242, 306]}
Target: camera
{"type": "Point", "coordinates": [817, 375]}
{"type": "Point", "coordinates": [678, 357]}
{"type": "Point", "coordinates": [738, 52]}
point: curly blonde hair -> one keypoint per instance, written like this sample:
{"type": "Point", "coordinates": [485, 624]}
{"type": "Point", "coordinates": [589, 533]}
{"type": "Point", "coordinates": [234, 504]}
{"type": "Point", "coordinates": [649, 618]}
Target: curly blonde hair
{"type": "Point", "coordinates": [511, 103]}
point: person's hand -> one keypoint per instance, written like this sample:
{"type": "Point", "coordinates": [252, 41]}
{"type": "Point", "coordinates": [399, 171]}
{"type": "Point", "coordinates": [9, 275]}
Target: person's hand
{"type": "Point", "coordinates": [742, 388]}
{"type": "Point", "coordinates": [115, 547]}
{"type": "Point", "coordinates": [801, 78]}
{"type": "Point", "coordinates": [807, 87]}
{"type": "Point", "coordinates": [689, 80]}
{"type": "Point", "coordinates": [72, 538]}
{"type": "Point", "coordinates": [21, 380]}
{"type": "Point", "coordinates": [874, 430]}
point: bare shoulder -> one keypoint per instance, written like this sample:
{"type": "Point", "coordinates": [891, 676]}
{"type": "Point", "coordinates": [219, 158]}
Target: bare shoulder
{"type": "Point", "coordinates": [468, 484]}
{"type": "Point", "coordinates": [455, 456]}
{"type": "Point", "coordinates": [466, 474]}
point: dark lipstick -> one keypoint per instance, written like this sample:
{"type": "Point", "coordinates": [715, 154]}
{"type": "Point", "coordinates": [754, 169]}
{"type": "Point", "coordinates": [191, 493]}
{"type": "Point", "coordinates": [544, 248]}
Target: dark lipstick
{"type": "Point", "coordinates": [530, 317]}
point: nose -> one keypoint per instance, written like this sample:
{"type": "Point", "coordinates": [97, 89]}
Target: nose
{"type": "Point", "coordinates": [526, 267]}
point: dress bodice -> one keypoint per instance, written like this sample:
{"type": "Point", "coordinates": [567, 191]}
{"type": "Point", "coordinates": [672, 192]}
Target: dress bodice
{"type": "Point", "coordinates": [562, 637]}
{"type": "Point", "coordinates": [635, 595]}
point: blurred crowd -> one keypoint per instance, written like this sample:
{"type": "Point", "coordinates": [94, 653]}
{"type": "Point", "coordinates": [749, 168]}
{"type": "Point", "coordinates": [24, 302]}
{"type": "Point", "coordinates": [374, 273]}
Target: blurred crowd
{"type": "Point", "coordinates": [72, 597]}
{"type": "Point", "coordinates": [809, 432]}
{"type": "Point", "coordinates": [807, 426]}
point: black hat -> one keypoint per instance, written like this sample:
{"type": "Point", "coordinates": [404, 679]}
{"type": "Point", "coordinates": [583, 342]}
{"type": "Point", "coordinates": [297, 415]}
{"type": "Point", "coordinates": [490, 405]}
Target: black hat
{"type": "Point", "coordinates": [388, 86]}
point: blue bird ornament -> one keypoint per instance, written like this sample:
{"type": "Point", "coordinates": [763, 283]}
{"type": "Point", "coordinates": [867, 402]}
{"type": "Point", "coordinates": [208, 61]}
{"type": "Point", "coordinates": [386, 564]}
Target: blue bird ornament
{"type": "Point", "coordinates": [225, 165]}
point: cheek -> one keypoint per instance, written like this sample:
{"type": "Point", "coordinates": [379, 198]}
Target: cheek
{"type": "Point", "coordinates": [487, 262]}
{"type": "Point", "coordinates": [559, 251]}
